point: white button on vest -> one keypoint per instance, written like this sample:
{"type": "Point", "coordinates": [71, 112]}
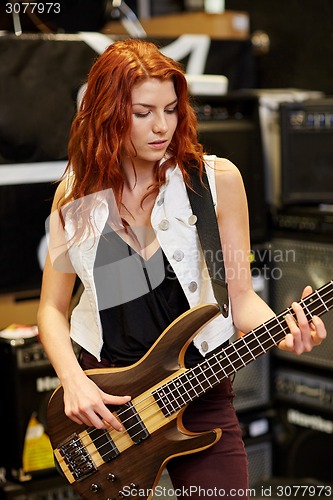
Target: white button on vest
{"type": "Point", "coordinates": [192, 219]}
{"type": "Point", "coordinates": [164, 225]}
{"type": "Point", "coordinates": [178, 255]}
{"type": "Point", "coordinates": [193, 286]}
{"type": "Point", "coordinates": [204, 346]}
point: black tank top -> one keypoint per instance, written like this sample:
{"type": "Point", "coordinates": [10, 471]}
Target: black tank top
{"type": "Point", "coordinates": [131, 327]}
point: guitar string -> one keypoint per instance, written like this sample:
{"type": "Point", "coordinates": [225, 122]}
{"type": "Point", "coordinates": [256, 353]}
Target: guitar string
{"type": "Point", "coordinates": [277, 323]}
{"type": "Point", "coordinates": [199, 382]}
{"type": "Point", "coordinates": [275, 319]}
{"type": "Point", "coordinates": [231, 345]}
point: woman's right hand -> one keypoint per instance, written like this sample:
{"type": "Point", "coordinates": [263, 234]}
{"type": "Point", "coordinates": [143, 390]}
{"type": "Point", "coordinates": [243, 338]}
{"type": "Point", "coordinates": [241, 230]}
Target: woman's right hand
{"type": "Point", "coordinates": [86, 404]}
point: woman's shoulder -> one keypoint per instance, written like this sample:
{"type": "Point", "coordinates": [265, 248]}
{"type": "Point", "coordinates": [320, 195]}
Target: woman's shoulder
{"type": "Point", "coordinates": [60, 193]}
{"type": "Point", "coordinates": [224, 170]}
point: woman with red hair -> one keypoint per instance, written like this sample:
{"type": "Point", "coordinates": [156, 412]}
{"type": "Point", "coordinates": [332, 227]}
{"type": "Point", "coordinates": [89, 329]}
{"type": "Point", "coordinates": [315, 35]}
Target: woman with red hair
{"type": "Point", "coordinates": [123, 223]}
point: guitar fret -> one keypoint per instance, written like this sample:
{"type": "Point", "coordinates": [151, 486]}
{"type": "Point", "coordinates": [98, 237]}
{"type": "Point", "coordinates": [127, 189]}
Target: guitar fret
{"type": "Point", "coordinates": [204, 368]}
{"type": "Point", "coordinates": [282, 327]}
{"type": "Point", "coordinates": [321, 300]}
{"type": "Point", "coordinates": [230, 362]}
{"type": "Point", "coordinates": [212, 374]}
{"type": "Point", "coordinates": [269, 333]}
{"type": "Point", "coordinates": [239, 356]}
{"type": "Point", "coordinates": [178, 388]}
{"type": "Point", "coordinates": [196, 381]}
{"type": "Point", "coordinates": [163, 400]}
{"type": "Point", "coordinates": [172, 390]}
{"type": "Point", "coordinates": [307, 313]}
{"type": "Point", "coordinates": [202, 377]}
{"type": "Point", "coordinates": [202, 388]}
{"type": "Point", "coordinates": [258, 341]}
{"type": "Point", "coordinates": [219, 359]}
{"type": "Point", "coordinates": [249, 350]}
{"type": "Point", "coordinates": [189, 377]}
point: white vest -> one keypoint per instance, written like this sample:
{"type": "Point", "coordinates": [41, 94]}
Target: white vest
{"type": "Point", "coordinates": [176, 232]}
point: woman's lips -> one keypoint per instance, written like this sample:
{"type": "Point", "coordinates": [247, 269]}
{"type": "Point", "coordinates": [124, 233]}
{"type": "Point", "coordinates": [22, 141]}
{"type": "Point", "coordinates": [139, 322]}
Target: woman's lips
{"type": "Point", "coordinates": [158, 144]}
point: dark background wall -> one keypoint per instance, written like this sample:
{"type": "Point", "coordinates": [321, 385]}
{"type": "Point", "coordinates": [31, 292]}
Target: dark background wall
{"type": "Point", "coordinates": [301, 38]}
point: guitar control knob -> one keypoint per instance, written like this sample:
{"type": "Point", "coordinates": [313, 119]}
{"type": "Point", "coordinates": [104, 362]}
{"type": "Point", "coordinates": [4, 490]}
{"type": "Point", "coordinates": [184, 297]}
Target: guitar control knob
{"type": "Point", "coordinates": [95, 488]}
{"type": "Point", "coordinates": [111, 477]}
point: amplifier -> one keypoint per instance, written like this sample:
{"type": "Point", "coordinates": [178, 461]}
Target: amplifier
{"type": "Point", "coordinates": [257, 435]}
{"type": "Point", "coordinates": [225, 123]}
{"type": "Point", "coordinates": [306, 389]}
{"type": "Point", "coordinates": [306, 220]}
{"type": "Point", "coordinates": [304, 443]}
{"type": "Point", "coordinates": [306, 151]}
{"type": "Point", "coordinates": [56, 488]}
{"type": "Point", "coordinates": [252, 385]}
{"type": "Point", "coordinates": [27, 381]}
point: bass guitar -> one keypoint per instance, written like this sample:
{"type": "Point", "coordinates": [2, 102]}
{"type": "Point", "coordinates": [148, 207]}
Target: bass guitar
{"type": "Point", "coordinates": [106, 464]}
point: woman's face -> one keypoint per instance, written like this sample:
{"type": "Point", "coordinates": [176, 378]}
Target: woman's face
{"type": "Point", "coordinates": [154, 121]}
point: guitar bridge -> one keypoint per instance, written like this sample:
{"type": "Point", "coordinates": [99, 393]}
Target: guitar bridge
{"type": "Point", "coordinates": [76, 457]}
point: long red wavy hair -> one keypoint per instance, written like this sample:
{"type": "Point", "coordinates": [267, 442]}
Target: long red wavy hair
{"type": "Point", "coordinates": [103, 123]}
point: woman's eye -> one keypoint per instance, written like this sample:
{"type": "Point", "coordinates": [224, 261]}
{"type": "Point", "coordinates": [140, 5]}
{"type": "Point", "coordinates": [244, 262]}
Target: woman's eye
{"type": "Point", "coordinates": [171, 110]}
{"type": "Point", "coordinates": [141, 115]}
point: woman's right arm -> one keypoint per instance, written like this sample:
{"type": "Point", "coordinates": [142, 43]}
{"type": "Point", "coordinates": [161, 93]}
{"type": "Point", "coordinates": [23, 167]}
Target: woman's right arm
{"type": "Point", "coordinates": [84, 401]}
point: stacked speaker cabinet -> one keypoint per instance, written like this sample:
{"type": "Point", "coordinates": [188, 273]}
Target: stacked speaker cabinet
{"type": "Point", "coordinates": [27, 381]}
{"type": "Point", "coordinates": [304, 433]}
{"type": "Point", "coordinates": [229, 127]}
{"type": "Point", "coordinates": [253, 400]}
{"type": "Point", "coordinates": [302, 385]}
{"type": "Point", "coordinates": [294, 264]}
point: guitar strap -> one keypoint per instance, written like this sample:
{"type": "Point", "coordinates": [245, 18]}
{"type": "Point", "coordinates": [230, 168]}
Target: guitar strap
{"type": "Point", "coordinates": [201, 201]}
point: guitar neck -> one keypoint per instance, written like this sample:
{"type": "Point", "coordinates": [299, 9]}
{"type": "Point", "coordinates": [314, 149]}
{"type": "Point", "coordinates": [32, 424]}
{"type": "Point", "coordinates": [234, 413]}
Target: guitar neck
{"type": "Point", "coordinates": [188, 386]}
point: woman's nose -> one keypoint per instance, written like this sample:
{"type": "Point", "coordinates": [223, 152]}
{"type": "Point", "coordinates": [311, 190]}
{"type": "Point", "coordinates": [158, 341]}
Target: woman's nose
{"type": "Point", "coordinates": [160, 124]}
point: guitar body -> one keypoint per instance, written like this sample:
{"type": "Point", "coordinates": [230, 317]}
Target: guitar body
{"type": "Point", "coordinates": [139, 459]}
{"type": "Point", "coordinates": [106, 464]}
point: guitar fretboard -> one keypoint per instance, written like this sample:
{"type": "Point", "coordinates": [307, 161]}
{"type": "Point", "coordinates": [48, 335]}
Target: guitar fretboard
{"type": "Point", "coordinates": [188, 386]}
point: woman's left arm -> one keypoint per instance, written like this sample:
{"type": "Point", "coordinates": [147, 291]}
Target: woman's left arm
{"type": "Point", "coordinates": [248, 309]}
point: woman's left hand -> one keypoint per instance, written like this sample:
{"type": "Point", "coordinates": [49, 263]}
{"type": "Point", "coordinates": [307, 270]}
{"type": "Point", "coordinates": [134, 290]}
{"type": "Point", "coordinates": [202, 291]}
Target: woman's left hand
{"type": "Point", "coordinates": [303, 336]}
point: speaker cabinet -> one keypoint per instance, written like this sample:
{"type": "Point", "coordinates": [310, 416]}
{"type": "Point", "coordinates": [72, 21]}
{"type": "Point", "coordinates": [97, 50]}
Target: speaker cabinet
{"type": "Point", "coordinates": [304, 443]}
{"type": "Point", "coordinates": [252, 385]}
{"type": "Point", "coordinates": [306, 151]}
{"type": "Point", "coordinates": [257, 435]}
{"type": "Point", "coordinates": [295, 264]}
{"type": "Point", "coordinates": [225, 122]}
{"type": "Point", "coordinates": [56, 488]}
{"type": "Point", "coordinates": [260, 458]}
{"type": "Point", "coordinates": [27, 381]}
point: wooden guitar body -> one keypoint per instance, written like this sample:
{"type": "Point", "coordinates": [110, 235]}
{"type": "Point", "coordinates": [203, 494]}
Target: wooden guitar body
{"type": "Point", "coordinates": [106, 464]}
{"type": "Point", "coordinates": [137, 466]}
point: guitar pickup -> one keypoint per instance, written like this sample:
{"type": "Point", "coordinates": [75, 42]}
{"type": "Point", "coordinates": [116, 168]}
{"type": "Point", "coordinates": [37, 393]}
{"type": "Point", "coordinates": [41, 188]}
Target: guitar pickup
{"type": "Point", "coordinates": [132, 422]}
{"type": "Point", "coordinates": [104, 444]}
